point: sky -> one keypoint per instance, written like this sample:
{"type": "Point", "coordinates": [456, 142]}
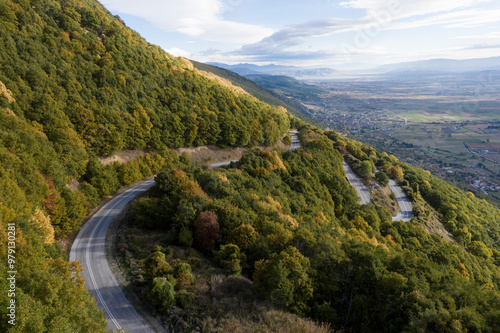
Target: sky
{"type": "Point", "coordinates": [339, 34]}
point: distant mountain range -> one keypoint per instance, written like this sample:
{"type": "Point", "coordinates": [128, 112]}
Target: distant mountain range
{"type": "Point", "coordinates": [429, 66]}
{"type": "Point", "coordinates": [297, 72]}
{"type": "Point", "coordinates": [443, 65]}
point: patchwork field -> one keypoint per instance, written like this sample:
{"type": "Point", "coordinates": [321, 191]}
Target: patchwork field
{"type": "Point", "coordinates": [449, 124]}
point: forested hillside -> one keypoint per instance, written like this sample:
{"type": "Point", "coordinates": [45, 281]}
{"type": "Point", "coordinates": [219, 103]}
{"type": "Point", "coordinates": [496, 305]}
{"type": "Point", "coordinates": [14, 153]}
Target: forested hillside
{"type": "Point", "coordinates": [76, 84]}
{"type": "Point", "coordinates": [275, 238]}
{"type": "Point", "coordinates": [291, 223]}
{"type": "Point", "coordinates": [298, 110]}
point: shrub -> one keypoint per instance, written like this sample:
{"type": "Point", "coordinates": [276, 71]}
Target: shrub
{"type": "Point", "coordinates": [186, 237]}
{"type": "Point", "coordinates": [183, 276]}
{"type": "Point", "coordinates": [161, 292]}
{"type": "Point", "coordinates": [156, 266]}
{"type": "Point", "coordinates": [230, 258]}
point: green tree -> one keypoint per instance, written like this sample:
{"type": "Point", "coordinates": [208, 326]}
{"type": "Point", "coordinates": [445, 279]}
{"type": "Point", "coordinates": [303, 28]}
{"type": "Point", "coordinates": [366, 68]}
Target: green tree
{"type": "Point", "coordinates": [161, 292]}
{"type": "Point", "coordinates": [382, 178]}
{"type": "Point", "coordinates": [156, 266]}
{"type": "Point", "coordinates": [284, 279]}
{"type": "Point", "coordinates": [365, 170]}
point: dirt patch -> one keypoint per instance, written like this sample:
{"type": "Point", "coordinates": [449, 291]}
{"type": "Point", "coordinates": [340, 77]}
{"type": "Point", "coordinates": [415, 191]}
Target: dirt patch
{"type": "Point", "coordinates": [123, 156]}
{"type": "Point", "coordinates": [436, 227]}
{"type": "Point", "coordinates": [73, 185]}
{"type": "Point", "coordinates": [204, 155]}
{"type": "Point", "coordinates": [207, 155]}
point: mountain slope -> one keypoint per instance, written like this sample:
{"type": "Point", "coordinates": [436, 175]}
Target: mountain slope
{"type": "Point", "coordinates": [258, 91]}
{"type": "Point", "coordinates": [76, 83]}
{"type": "Point", "coordinates": [80, 83]}
{"type": "Point", "coordinates": [444, 65]}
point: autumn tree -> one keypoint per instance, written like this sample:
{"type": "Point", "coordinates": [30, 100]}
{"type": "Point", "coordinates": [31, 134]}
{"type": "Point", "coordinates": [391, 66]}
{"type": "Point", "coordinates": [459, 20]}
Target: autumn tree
{"type": "Point", "coordinates": [395, 172]}
{"type": "Point", "coordinates": [206, 229]}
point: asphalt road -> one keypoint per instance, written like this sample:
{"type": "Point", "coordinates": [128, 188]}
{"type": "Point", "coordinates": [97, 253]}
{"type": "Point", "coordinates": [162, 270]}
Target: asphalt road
{"type": "Point", "coordinates": [89, 249]}
{"type": "Point", "coordinates": [403, 201]}
{"type": "Point", "coordinates": [295, 140]}
{"type": "Point", "coordinates": [354, 180]}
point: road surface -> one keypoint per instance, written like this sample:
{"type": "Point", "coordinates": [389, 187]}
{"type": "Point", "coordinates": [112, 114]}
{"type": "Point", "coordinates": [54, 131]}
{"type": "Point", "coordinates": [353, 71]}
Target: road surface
{"type": "Point", "coordinates": [403, 201]}
{"type": "Point", "coordinates": [354, 180]}
{"type": "Point", "coordinates": [89, 249]}
{"type": "Point", "coordinates": [295, 140]}
{"type": "Point", "coordinates": [406, 123]}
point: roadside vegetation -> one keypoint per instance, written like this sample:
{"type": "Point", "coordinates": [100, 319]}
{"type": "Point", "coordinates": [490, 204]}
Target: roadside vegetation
{"type": "Point", "coordinates": [287, 226]}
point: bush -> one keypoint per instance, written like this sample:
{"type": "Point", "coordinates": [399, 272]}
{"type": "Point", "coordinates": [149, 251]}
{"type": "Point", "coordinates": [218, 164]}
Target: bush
{"type": "Point", "coordinates": [382, 178]}
{"type": "Point", "coordinates": [186, 237]}
{"type": "Point", "coordinates": [183, 276]}
{"type": "Point", "coordinates": [184, 299]}
{"type": "Point", "coordinates": [230, 258]}
{"type": "Point", "coordinates": [161, 292]}
{"type": "Point", "coordinates": [156, 266]}
{"type": "Point", "coordinates": [287, 140]}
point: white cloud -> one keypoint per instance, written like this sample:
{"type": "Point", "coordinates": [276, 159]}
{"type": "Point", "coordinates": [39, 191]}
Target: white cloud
{"type": "Point", "coordinates": [490, 35]}
{"type": "Point", "coordinates": [409, 8]}
{"type": "Point", "coordinates": [176, 52]}
{"type": "Point", "coordinates": [298, 34]}
{"type": "Point", "coordinates": [457, 19]}
{"type": "Point", "coordinates": [483, 46]}
{"type": "Point", "coordinates": [196, 18]}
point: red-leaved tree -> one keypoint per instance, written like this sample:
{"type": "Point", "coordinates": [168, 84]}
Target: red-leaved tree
{"type": "Point", "coordinates": [206, 229]}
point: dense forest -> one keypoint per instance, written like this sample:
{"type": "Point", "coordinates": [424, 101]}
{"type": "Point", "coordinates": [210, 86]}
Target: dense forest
{"type": "Point", "coordinates": [290, 223]}
{"type": "Point", "coordinates": [76, 84]}
{"type": "Point", "coordinates": [264, 94]}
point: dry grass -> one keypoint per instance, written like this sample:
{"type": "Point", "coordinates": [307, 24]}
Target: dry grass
{"type": "Point", "coordinates": [381, 197]}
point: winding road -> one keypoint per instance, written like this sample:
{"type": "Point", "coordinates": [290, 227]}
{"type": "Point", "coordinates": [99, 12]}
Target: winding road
{"type": "Point", "coordinates": [406, 212]}
{"type": "Point", "coordinates": [89, 248]}
{"type": "Point", "coordinates": [357, 183]}
{"type": "Point", "coordinates": [406, 209]}
{"type": "Point", "coordinates": [406, 122]}
{"type": "Point", "coordinates": [295, 140]}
